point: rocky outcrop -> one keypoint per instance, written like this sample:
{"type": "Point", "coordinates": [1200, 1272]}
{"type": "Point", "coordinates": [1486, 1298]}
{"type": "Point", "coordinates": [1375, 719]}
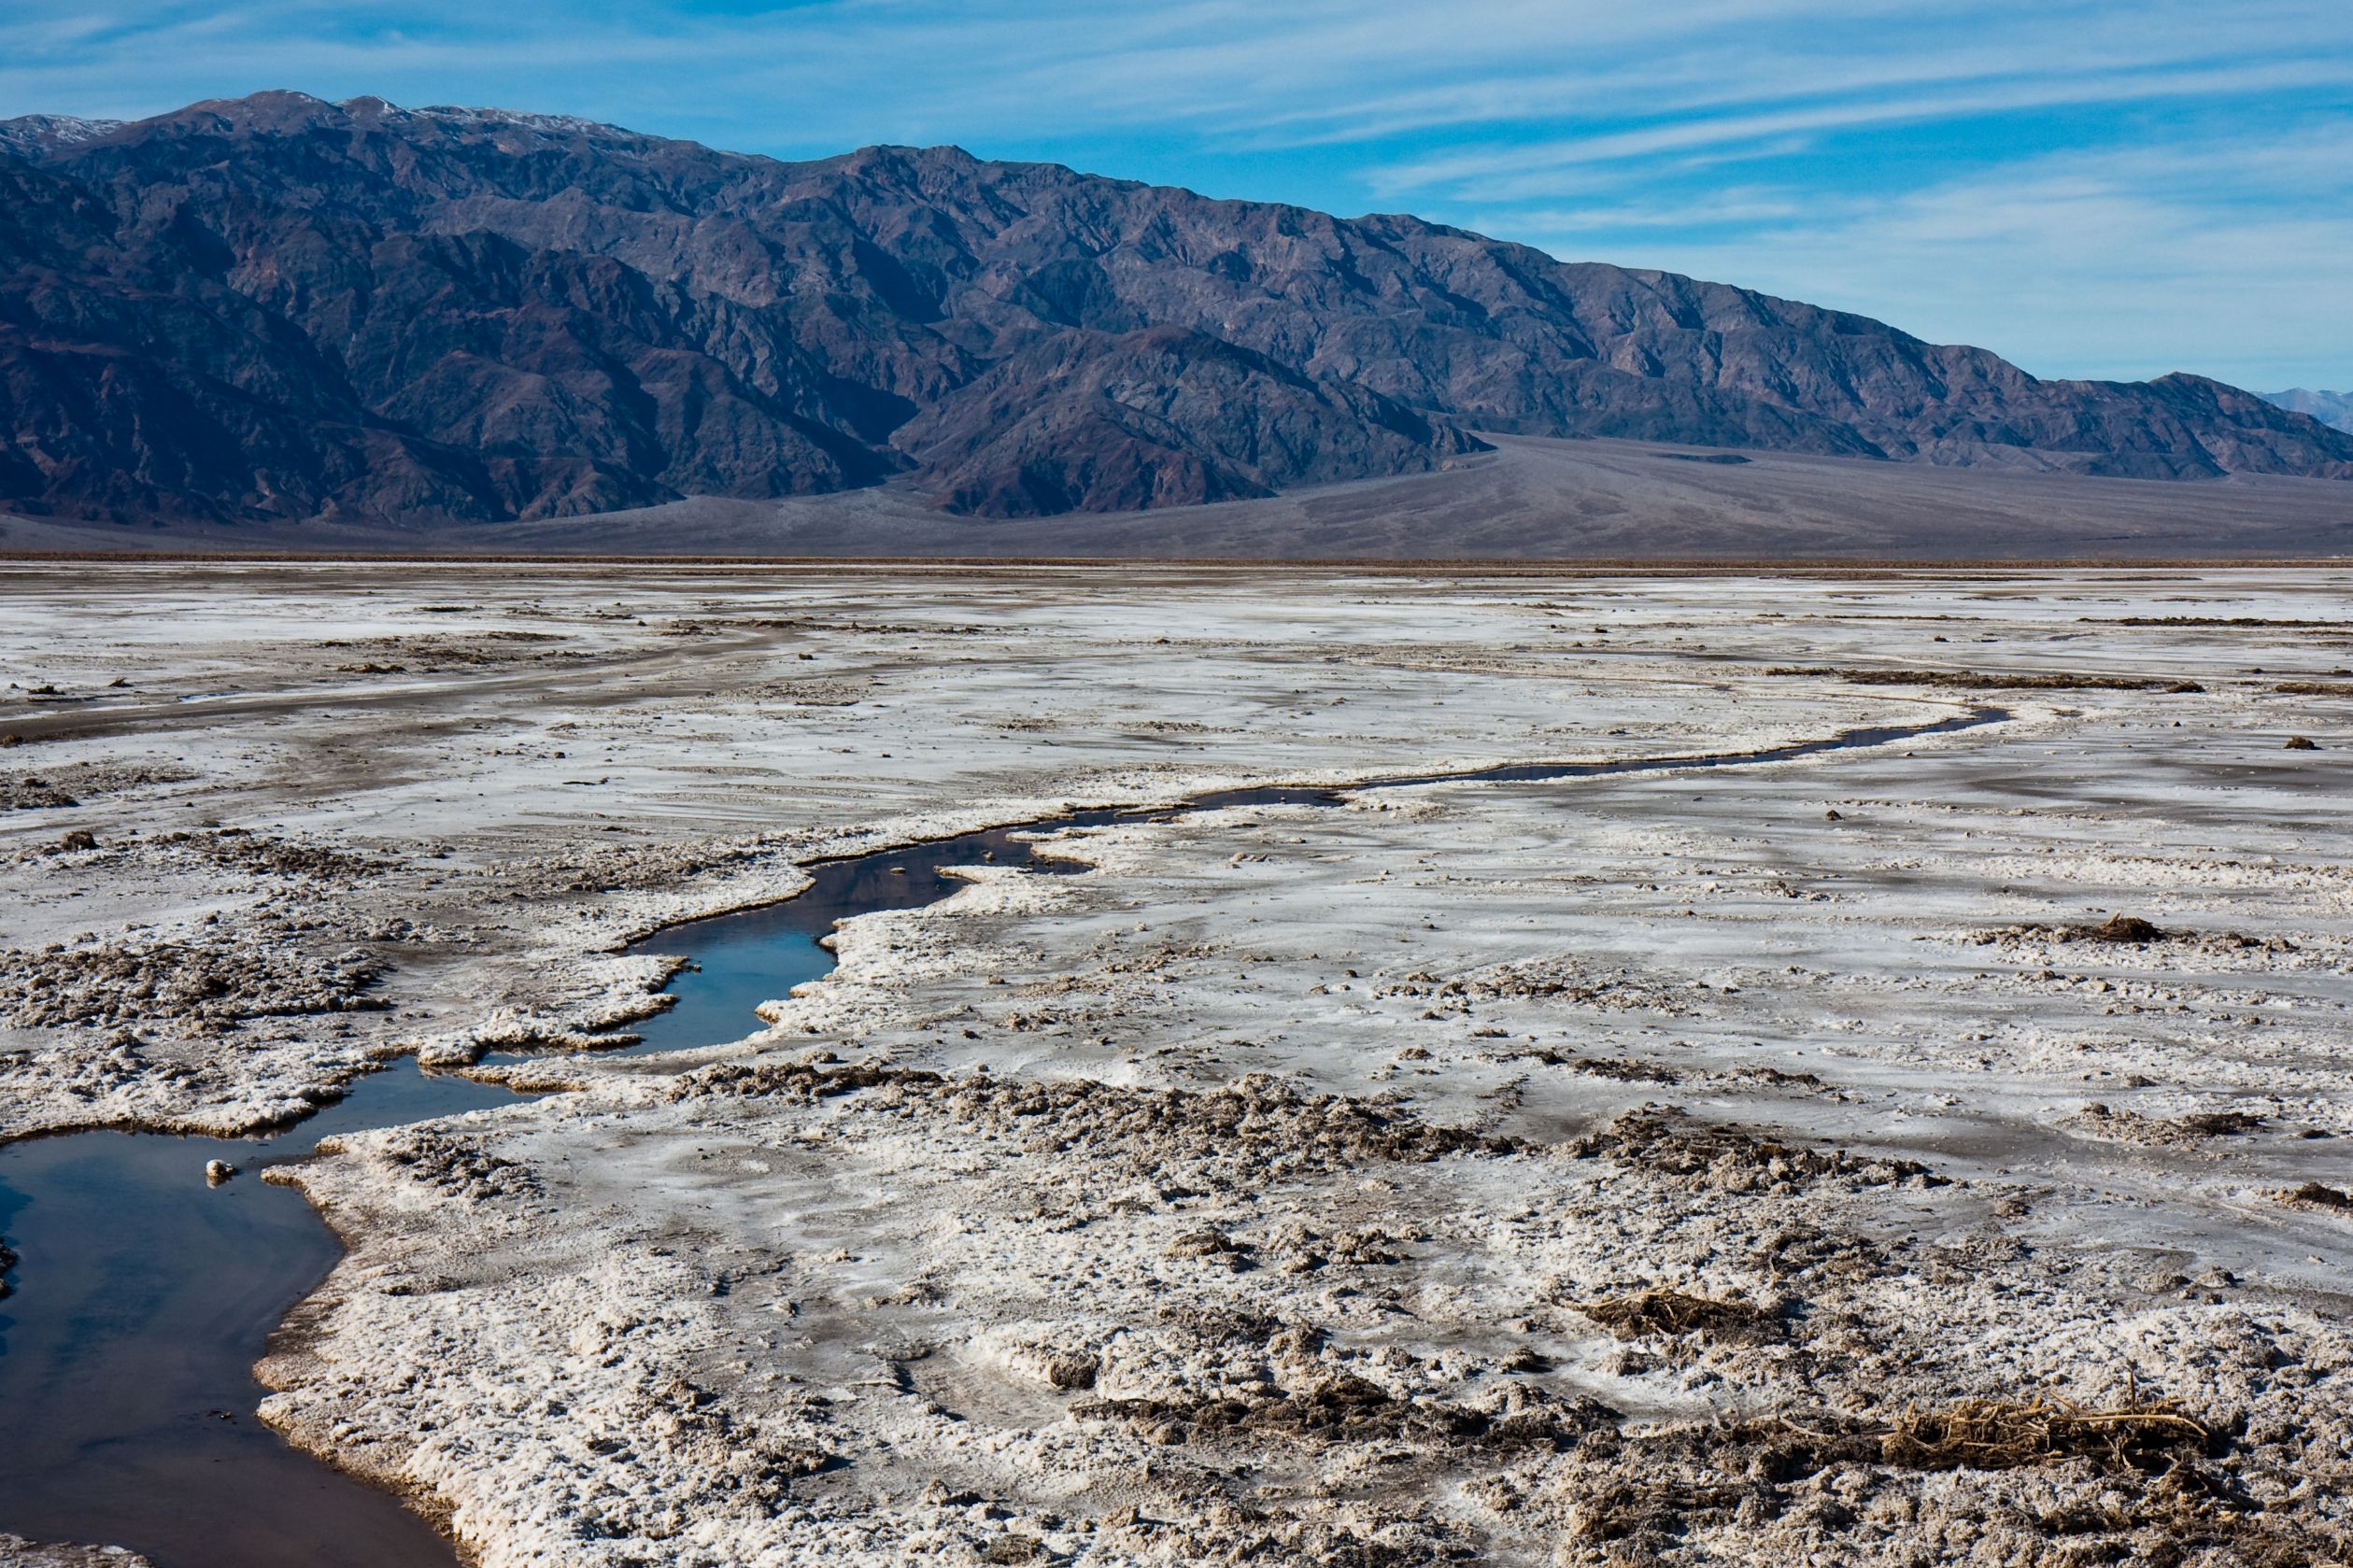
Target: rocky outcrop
{"type": "Point", "coordinates": [274, 309]}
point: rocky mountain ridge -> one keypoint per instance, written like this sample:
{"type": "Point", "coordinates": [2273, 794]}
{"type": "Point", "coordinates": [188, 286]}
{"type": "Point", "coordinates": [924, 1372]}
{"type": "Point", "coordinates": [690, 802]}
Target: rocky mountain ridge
{"type": "Point", "coordinates": [2333, 409]}
{"type": "Point", "coordinates": [275, 308]}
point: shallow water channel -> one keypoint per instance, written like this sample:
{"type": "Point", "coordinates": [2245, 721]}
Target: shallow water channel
{"type": "Point", "coordinates": [143, 1297]}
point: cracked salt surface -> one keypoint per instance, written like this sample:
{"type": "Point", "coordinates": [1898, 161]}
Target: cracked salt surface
{"type": "Point", "coordinates": [1306, 1135]}
{"type": "Point", "coordinates": [150, 1298]}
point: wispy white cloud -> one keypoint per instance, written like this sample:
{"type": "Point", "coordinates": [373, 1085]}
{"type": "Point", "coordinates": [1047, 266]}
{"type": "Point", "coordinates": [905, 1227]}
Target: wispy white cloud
{"type": "Point", "coordinates": [1514, 172]}
{"type": "Point", "coordinates": [1730, 207]}
{"type": "Point", "coordinates": [1310, 69]}
{"type": "Point", "coordinates": [2219, 259]}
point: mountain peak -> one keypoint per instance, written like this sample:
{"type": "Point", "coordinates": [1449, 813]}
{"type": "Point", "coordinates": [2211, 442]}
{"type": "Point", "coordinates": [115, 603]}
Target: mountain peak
{"type": "Point", "coordinates": [35, 133]}
{"type": "Point", "coordinates": [272, 109]}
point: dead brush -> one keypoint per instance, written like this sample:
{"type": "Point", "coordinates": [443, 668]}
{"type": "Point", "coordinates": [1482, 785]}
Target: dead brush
{"type": "Point", "coordinates": [2008, 1434]}
{"type": "Point", "coordinates": [1659, 1310]}
{"type": "Point", "coordinates": [1979, 680]}
{"type": "Point", "coordinates": [2318, 1196]}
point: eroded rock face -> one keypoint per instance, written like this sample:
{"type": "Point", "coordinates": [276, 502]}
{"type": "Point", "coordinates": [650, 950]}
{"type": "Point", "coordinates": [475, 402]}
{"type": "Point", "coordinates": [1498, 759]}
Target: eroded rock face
{"type": "Point", "coordinates": [275, 308]}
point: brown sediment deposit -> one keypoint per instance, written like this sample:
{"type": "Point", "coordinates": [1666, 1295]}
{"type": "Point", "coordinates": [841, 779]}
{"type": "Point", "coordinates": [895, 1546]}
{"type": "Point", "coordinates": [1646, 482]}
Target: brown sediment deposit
{"type": "Point", "coordinates": [1979, 680]}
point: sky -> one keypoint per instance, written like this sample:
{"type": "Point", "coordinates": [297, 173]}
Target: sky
{"type": "Point", "coordinates": [2113, 190]}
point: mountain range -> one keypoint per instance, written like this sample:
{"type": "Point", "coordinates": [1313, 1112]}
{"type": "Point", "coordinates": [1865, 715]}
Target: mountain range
{"type": "Point", "coordinates": [276, 309]}
{"type": "Point", "coordinates": [2334, 409]}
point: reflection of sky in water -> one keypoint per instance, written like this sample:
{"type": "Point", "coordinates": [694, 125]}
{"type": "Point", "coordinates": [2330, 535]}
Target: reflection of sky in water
{"type": "Point", "coordinates": [743, 960]}
{"type": "Point", "coordinates": [142, 1299]}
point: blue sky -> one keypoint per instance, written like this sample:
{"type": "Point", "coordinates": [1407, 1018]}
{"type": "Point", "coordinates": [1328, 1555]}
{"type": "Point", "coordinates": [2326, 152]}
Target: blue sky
{"type": "Point", "coordinates": [2091, 189]}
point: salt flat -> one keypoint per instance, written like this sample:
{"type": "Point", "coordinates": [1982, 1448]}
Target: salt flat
{"type": "Point", "coordinates": [1648, 1167]}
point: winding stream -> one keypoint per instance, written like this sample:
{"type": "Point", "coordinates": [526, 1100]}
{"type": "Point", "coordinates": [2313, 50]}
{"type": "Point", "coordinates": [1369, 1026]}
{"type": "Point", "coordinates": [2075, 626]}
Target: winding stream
{"type": "Point", "coordinates": [143, 1297]}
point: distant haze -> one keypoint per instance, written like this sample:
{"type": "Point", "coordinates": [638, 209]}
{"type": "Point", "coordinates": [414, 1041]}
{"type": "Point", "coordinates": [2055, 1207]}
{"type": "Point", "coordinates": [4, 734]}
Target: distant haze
{"type": "Point", "coordinates": [2329, 408]}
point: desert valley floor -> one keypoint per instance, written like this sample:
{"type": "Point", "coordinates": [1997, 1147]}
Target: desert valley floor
{"type": "Point", "coordinates": [1932, 1149]}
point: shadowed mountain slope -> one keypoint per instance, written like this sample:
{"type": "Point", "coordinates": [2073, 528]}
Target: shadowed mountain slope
{"type": "Point", "coordinates": [274, 309]}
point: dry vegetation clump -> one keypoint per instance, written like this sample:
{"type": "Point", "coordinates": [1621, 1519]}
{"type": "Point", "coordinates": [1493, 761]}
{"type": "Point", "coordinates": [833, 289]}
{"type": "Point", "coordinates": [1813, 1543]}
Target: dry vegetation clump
{"type": "Point", "coordinates": [1733, 1159]}
{"type": "Point", "coordinates": [2127, 930]}
{"type": "Point", "coordinates": [1974, 680]}
{"type": "Point", "coordinates": [811, 1079]}
{"type": "Point", "coordinates": [205, 990]}
{"type": "Point", "coordinates": [2315, 688]}
{"type": "Point", "coordinates": [2118, 928]}
{"type": "Point", "coordinates": [2132, 1127]}
{"type": "Point", "coordinates": [247, 851]}
{"type": "Point", "coordinates": [2251, 621]}
{"type": "Point", "coordinates": [70, 784]}
{"type": "Point", "coordinates": [1339, 1406]}
{"type": "Point", "coordinates": [460, 1167]}
{"type": "Point", "coordinates": [1622, 1069]}
{"type": "Point", "coordinates": [1660, 1310]}
{"type": "Point", "coordinates": [2124, 930]}
{"type": "Point", "coordinates": [2316, 1196]}
{"type": "Point", "coordinates": [2003, 1435]}
{"type": "Point", "coordinates": [1257, 1119]}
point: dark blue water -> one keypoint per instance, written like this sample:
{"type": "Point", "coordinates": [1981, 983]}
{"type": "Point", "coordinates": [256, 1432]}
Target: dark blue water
{"type": "Point", "coordinates": [143, 1297]}
{"type": "Point", "coordinates": [142, 1301]}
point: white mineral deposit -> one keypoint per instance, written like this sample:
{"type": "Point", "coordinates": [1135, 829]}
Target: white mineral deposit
{"type": "Point", "coordinates": [1932, 1146]}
